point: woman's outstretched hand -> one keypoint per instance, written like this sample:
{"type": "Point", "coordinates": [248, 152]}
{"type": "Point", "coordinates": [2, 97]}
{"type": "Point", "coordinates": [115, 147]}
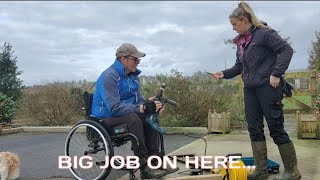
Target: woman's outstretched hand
{"type": "Point", "coordinates": [218, 75]}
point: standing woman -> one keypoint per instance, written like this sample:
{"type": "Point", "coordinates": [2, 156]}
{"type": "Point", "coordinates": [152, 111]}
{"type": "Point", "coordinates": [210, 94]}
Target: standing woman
{"type": "Point", "coordinates": [262, 58]}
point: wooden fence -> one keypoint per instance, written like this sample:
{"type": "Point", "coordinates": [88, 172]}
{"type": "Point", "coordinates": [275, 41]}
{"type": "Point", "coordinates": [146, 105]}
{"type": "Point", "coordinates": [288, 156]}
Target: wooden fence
{"type": "Point", "coordinates": [305, 83]}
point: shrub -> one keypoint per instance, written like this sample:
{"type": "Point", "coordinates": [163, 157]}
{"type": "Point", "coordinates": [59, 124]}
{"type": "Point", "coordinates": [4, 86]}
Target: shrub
{"type": "Point", "coordinates": [196, 95]}
{"type": "Point", "coordinates": [77, 95]}
{"type": "Point", "coordinates": [10, 83]}
{"type": "Point", "coordinates": [51, 105]}
{"type": "Point", "coordinates": [60, 104]}
{"type": "Point", "coordinates": [7, 106]}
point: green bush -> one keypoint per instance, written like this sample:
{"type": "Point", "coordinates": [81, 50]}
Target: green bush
{"type": "Point", "coordinates": [77, 95]}
{"type": "Point", "coordinates": [196, 95]}
{"type": "Point", "coordinates": [7, 106]}
{"type": "Point", "coordinates": [60, 104]}
{"type": "Point", "coordinates": [51, 105]}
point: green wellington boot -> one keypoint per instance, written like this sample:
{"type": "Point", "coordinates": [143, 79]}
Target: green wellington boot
{"type": "Point", "coordinates": [259, 150]}
{"type": "Point", "coordinates": [289, 159]}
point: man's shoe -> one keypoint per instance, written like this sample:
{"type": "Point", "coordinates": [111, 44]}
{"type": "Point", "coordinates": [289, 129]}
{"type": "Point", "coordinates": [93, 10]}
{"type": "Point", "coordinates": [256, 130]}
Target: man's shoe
{"type": "Point", "coordinates": [148, 173]}
{"type": "Point", "coordinates": [169, 169]}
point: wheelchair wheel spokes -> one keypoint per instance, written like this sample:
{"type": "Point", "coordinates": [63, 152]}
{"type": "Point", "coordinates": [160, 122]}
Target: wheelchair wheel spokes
{"type": "Point", "coordinates": [94, 145]}
{"type": "Point", "coordinates": [124, 150]}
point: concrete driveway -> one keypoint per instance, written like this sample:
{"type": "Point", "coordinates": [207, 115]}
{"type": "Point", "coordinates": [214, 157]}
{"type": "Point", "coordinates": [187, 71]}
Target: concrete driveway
{"type": "Point", "coordinates": [39, 153]}
{"type": "Point", "coordinates": [238, 141]}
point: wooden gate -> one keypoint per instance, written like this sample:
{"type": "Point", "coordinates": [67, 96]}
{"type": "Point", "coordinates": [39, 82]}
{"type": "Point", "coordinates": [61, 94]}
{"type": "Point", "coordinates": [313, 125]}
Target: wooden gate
{"type": "Point", "coordinates": [305, 84]}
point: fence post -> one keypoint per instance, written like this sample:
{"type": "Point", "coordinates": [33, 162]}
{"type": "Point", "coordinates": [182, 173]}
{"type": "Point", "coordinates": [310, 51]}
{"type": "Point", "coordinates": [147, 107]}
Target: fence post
{"type": "Point", "coordinates": [318, 126]}
{"type": "Point", "coordinates": [299, 130]}
{"type": "Point", "coordinates": [209, 121]}
{"type": "Point", "coordinates": [224, 118]}
{"type": "Point", "coordinates": [313, 88]}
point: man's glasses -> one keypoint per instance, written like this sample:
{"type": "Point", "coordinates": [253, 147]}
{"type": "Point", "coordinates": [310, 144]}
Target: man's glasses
{"type": "Point", "coordinates": [136, 60]}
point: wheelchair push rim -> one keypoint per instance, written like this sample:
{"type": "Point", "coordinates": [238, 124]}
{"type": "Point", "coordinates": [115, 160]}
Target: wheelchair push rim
{"type": "Point", "coordinates": [99, 146]}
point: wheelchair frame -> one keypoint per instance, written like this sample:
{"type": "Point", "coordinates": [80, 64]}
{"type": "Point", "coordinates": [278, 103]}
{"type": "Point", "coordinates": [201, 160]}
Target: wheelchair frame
{"type": "Point", "coordinates": [110, 137]}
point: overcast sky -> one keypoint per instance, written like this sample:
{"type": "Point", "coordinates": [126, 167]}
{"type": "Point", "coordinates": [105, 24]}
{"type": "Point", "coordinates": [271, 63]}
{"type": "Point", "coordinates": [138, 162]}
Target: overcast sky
{"type": "Point", "coordinates": [64, 41]}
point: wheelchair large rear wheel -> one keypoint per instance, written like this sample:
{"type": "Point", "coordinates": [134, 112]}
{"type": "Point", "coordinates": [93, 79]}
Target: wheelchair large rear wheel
{"type": "Point", "coordinates": [123, 148]}
{"type": "Point", "coordinates": [89, 138]}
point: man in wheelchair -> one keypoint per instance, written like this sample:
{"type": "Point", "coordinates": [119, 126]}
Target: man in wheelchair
{"type": "Point", "coordinates": [118, 100]}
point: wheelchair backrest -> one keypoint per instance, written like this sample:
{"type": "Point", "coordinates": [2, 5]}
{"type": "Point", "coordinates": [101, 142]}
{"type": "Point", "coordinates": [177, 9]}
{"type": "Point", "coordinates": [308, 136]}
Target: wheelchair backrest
{"type": "Point", "coordinates": [119, 129]}
{"type": "Point", "coordinates": [87, 97]}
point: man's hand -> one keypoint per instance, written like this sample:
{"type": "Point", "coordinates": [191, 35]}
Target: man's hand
{"type": "Point", "coordinates": [159, 106]}
{"type": "Point", "coordinates": [218, 75]}
{"type": "Point", "coordinates": [149, 107]}
{"type": "Point", "coordinates": [142, 107]}
{"type": "Point", "coordinates": [162, 109]}
{"type": "Point", "coordinates": [274, 81]}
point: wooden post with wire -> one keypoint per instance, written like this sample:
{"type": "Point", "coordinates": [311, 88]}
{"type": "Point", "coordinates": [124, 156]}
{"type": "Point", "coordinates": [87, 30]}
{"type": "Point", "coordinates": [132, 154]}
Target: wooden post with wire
{"type": "Point", "coordinates": [313, 87]}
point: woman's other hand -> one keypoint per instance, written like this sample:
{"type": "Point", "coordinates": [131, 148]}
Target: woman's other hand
{"type": "Point", "coordinates": [274, 81]}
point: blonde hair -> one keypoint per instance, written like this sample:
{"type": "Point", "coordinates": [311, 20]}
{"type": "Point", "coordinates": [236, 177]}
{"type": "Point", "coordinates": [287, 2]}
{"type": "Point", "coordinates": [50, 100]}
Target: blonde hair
{"type": "Point", "coordinates": [244, 10]}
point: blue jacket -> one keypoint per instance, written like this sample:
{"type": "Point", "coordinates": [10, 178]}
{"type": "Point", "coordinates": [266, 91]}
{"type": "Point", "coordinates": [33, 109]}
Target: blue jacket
{"type": "Point", "coordinates": [265, 55]}
{"type": "Point", "coordinates": [116, 93]}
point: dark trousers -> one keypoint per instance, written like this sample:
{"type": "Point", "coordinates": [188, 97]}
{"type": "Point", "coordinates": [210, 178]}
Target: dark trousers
{"type": "Point", "coordinates": [265, 101]}
{"type": "Point", "coordinates": [148, 138]}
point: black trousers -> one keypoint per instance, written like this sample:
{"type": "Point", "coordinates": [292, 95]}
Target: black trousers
{"type": "Point", "coordinates": [148, 138]}
{"type": "Point", "coordinates": [265, 101]}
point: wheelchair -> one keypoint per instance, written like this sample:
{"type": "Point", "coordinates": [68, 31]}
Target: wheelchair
{"type": "Point", "coordinates": [90, 138]}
